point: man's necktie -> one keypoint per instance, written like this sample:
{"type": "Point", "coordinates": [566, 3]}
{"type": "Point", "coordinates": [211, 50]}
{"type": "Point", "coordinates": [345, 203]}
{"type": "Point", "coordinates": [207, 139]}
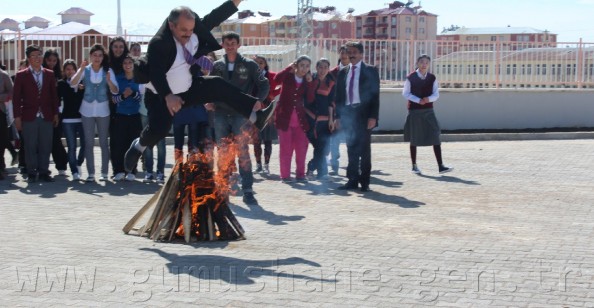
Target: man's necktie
{"type": "Point", "coordinates": [203, 61]}
{"type": "Point", "coordinates": [38, 81]}
{"type": "Point", "coordinates": [351, 86]}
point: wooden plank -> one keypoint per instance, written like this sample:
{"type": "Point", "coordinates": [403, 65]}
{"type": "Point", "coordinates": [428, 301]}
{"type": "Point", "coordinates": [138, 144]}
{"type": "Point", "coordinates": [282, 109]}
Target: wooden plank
{"type": "Point", "coordinates": [150, 204]}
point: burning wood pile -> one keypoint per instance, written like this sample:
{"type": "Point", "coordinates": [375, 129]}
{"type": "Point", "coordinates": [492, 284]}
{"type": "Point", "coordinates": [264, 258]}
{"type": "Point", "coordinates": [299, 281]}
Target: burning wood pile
{"type": "Point", "coordinates": [192, 204]}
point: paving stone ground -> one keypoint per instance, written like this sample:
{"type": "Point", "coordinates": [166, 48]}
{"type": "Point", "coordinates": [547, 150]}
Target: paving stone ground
{"type": "Point", "coordinates": [513, 225]}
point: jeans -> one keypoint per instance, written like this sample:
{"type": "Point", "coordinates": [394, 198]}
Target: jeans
{"type": "Point", "coordinates": [226, 125]}
{"type": "Point", "coordinates": [148, 153]}
{"type": "Point", "coordinates": [71, 132]}
{"type": "Point", "coordinates": [319, 137]}
{"type": "Point", "coordinates": [334, 144]}
{"type": "Point", "coordinates": [195, 133]}
{"type": "Point", "coordinates": [102, 125]}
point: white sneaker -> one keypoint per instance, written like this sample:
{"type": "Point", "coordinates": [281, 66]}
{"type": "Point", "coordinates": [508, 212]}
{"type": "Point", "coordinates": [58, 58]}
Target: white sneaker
{"type": "Point", "coordinates": [265, 169]}
{"type": "Point", "coordinates": [103, 177]}
{"type": "Point", "coordinates": [160, 178]}
{"type": "Point", "coordinates": [90, 178]}
{"type": "Point", "coordinates": [130, 177]}
{"type": "Point", "coordinates": [415, 169]}
{"type": "Point", "coordinates": [76, 177]}
{"type": "Point", "coordinates": [119, 176]}
{"type": "Point", "coordinates": [62, 172]}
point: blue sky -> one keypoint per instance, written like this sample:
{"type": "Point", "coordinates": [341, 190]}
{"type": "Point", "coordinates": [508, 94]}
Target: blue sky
{"type": "Point", "coordinates": [571, 19]}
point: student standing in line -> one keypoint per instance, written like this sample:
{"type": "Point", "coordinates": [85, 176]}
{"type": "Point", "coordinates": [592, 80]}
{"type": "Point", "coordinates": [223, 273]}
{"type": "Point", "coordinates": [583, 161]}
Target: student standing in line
{"type": "Point", "coordinates": [72, 122]}
{"type": "Point", "coordinates": [36, 113]}
{"type": "Point", "coordinates": [51, 61]}
{"type": "Point", "coordinates": [421, 90]}
{"type": "Point", "coordinates": [320, 98]}
{"type": "Point", "coordinates": [268, 134]}
{"type": "Point", "coordinates": [291, 118]}
{"type": "Point", "coordinates": [98, 80]}
{"type": "Point", "coordinates": [126, 123]}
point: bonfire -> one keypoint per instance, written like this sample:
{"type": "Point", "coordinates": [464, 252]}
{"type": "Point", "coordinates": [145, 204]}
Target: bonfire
{"type": "Point", "coordinates": [193, 204]}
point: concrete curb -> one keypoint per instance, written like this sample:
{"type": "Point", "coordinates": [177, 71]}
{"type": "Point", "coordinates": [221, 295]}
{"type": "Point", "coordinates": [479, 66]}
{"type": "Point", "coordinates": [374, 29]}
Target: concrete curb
{"type": "Point", "coordinates": [494, 137]}
{"type": "Point", "coordinates": [461, 137]}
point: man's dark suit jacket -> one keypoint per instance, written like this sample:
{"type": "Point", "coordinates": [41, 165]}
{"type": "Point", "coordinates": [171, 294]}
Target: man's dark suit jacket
{"type": "Point", "coordinates": [162, 51]}
{"type": "Point", "coordinates": [26, 98]}
{"type": "Point", "coordinates": [369, 90]}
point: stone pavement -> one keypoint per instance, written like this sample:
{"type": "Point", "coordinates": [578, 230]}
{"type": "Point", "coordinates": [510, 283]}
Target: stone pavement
{"type": "Point", "coordinates": [513, 225]}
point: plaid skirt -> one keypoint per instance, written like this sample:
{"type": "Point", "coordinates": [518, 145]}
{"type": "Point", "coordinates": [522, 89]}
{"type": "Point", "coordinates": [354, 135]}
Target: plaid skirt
{"type": "Point", "coordinates": [421, 128]}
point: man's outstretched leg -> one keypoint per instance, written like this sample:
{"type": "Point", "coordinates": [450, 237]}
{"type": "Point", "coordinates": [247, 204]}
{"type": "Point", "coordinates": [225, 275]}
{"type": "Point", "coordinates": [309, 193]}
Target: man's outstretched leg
{"type": "Point", "coordinates": [203, 90]}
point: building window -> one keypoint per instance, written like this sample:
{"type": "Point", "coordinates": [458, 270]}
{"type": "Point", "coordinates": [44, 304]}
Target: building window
{"type": "Point", "coordinates": [359, 22]}
{"type": "Point", "coordinates": [514, 69]}
{"type": "Point", "coordinates": [449, 69]}
{"type": "Point", "coordinates": [393, 32]}
{"type": "Point", "coordinates": [421, 19]}
{"type": "Point", "coordinates": [455, 69]}
{"type": "Point", "coordinates": [508, 69]}
{"type": "Point", "coordinates": [537, 69]}
{"type": "Point", "coordinates": [408, 19]}
{"type": "Point", "coordinates": [393, 20]}
{"type": "Point", "coordinates": [523, 70]}
{"type": "Point", "coordinates": [422, 30]}
{"type": "Point", "coordinates": [529, 69]}
{"type": "Point", "coordinates": [486, 69]}
{"type": "Point", "coordinates": [408, 30]}
{"type": "Point", "coordinates": [544, 69]}
{"type": "Point", "coordinates": [252, 27]}
{"type": "Point", "coordinates": [493, 38]}
{"type": "Point", "coordinates": [481, 69]}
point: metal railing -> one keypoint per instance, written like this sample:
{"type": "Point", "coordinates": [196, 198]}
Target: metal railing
{"type": "Point", "coordinates": [457, 64]}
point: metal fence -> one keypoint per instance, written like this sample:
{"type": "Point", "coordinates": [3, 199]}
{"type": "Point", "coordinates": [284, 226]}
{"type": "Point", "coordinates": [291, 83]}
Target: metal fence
{"type": "Point", "coordinates": [457, 64]}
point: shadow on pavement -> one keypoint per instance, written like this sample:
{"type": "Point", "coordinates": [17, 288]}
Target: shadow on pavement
{"type": "Point", "coordinates": [234, 270]}
{"type": "Point", "coordinates": [255, 211]}
{"type": "Point", "coordinates": [450, 179]}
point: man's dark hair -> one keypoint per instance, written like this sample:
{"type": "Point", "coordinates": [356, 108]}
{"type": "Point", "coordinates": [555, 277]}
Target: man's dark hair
{"type": "Point", "coordinates": [180, 11]}
{"type": "Point", "coordinates": [230, 35]}
{"type": "Point", "coordinates": [31, 48]}
{"type": "Point", "coordinates": [423, 56]}
{"type": "Point", "coordinates": [357, 45]}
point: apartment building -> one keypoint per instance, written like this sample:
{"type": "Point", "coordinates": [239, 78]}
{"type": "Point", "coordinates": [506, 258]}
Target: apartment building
{"type": "Point", "coordinates": [481, 39]}
{"type": "Point", "coordinates": [398, 21]}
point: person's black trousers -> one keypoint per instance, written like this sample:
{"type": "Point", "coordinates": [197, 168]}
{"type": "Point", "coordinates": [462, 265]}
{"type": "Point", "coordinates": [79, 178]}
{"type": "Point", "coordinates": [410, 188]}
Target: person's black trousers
{"type": "Point", "coordinates": [358, 141]}
{"type": "Point", "coordinates": [124, 129]}
{"type": "Point", "coordinates": [204, 89]}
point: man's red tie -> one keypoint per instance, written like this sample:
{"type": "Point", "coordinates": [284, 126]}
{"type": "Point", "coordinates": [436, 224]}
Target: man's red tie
{"type": "Point", "coordinates": [351, 85]}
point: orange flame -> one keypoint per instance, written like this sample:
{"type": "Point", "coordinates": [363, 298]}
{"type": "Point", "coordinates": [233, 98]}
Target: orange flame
{"type": "Point", "coordinates": [201, 185]}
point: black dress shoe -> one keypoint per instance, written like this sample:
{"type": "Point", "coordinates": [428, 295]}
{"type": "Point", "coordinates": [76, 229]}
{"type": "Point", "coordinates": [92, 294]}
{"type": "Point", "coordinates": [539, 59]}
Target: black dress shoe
{"type": "Point", "coordinates": [348, 186]}
{"type": "Point", "coordinates": [31, 178]}
{"type": "Point", "coordinates": [364, 188]}
{"type": "Point", "coordinates": [262, 116]}
{"type": "Point", "coordinates": [46, 178]}
{"type": "Point", "coordinates": [249, 199]}
{"type": "Point", "coordinates": [132, 156]}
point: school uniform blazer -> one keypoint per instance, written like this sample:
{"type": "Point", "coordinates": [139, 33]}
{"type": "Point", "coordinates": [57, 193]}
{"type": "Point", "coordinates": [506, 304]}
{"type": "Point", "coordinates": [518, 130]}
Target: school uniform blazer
{"type": "Point", "coordinates": [291, 98]}
{"type": "Point", "coordinates": [369, 89]}
{"type": "Point", "coordinates": [27, 100]}
{"type": "Point", "coordinates": [162, 50]}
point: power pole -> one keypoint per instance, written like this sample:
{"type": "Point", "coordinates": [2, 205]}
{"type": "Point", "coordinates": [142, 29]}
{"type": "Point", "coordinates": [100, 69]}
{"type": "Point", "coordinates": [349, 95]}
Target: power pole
{"type": "Point", "coordinates": [119, 27]}
{"type": "Point", "coordinates": [304, 26]}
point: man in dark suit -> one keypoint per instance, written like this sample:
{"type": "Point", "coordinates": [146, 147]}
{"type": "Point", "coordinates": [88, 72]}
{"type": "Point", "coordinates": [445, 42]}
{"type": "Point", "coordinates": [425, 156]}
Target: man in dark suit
{"type": "Point", "coordinates": [174, 60]}
{"type": "Point", "coordinates": [357, 103]}
{"type": "Point", "coordinates": [36, 113]}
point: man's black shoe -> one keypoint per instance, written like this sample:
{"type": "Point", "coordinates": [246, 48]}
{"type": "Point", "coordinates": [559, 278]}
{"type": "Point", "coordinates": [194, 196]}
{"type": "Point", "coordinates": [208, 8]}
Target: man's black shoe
{"type": "Point", "coordinates": [132, 156]}
{"type": "Point", "coordinates": [46, 178]}
{"type": "Point", "coordinates": [31, 178]}
{"type": "Point", "coordinates": [262, 116]}
{"type": "Point", "coordinates": [249, 199]}
{"type": "Point", "coordinates": [348, 186]}
{"type": "Point", "coordinates": [364, 188]}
